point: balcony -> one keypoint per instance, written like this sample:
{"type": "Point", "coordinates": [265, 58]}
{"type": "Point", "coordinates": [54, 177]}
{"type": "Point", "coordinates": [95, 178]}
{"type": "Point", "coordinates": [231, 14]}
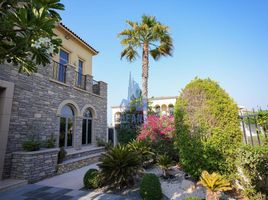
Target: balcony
{"type": "Point", "coordinates": [59, 72]}
{"type": "Point", "coordinates": [80, 80]}
{"type": "Point", "coordinates": [67, 75]}
{"type": "Point", "coordinates": [95, 87]}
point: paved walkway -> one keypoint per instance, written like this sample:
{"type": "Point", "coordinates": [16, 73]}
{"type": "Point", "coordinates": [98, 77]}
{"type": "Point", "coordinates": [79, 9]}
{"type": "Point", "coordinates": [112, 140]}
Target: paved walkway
{"type": "Point", "coordinates": [70, 180]}
{"type": "Point", "coordinates": [68, 186]}
{"type": "Point", "coordinates": [39, 192]}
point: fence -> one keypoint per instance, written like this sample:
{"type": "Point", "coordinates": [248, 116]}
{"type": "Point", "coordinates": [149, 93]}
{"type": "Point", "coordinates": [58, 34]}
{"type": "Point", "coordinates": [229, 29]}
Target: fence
{"type": "Point", "coordinates": [254, 125]}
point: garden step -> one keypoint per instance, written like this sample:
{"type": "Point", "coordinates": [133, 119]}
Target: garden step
{"type": "Point", "coordinates": [75, 163]}
{"type": "Point", "coordinates": [85, 151]}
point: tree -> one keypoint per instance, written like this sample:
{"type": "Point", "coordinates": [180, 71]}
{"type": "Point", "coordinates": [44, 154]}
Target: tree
{"type": "Point", "coordinates": [153, 38]}
{"type": "Point", "coordinates": [26, 32]}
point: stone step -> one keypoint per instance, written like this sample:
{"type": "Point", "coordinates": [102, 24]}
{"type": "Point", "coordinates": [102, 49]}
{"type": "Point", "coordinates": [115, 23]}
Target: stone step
{"type": "Point", "coordinates": [75, 163]}
{"type": "Point", "coordinates": [9, 184]}
{"type": "Point", "coordinates": [71, 154]}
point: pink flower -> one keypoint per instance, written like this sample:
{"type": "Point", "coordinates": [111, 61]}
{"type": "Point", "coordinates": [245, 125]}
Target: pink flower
{"type": "Point", "coordinates": [157, 128]}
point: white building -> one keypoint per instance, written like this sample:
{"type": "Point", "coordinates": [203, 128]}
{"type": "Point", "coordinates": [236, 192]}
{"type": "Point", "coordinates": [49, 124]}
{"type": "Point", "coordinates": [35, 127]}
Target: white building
{"type": "Point", "coordinates": [160, 105]}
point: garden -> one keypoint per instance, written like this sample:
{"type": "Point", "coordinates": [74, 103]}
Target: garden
{"type": "Point", "coordinates": [197, 154]}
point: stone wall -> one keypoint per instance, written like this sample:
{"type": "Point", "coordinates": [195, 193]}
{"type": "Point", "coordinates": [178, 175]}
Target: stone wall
{"type": "Point", "coordinates": [34, 166]}
{"type": "Point", "coordinates": [36, 107]}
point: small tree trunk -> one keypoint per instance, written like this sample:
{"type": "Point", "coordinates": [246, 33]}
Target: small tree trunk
{"type": "Point", "coordinates": [145, 74]}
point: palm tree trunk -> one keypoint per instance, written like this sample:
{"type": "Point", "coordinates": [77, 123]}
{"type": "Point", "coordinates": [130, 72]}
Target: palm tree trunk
{"type": "Point", "coordinates": [145, 74]}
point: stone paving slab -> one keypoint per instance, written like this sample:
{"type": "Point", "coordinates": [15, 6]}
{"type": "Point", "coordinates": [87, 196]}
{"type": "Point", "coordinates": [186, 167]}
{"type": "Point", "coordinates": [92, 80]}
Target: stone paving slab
{"type": "Point", "coordinates": [39, 192]}
{"type": "Point", "coordinates": [70, 180]}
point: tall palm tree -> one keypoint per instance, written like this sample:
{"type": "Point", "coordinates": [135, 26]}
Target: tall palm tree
{"type": "Point", "coordinates": [153, 38]}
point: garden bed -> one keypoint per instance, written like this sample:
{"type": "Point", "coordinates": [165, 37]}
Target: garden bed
{"type": "Point", "coordinates": [178, 187]}
{"type": "Point", "coordinates": [35, 165]}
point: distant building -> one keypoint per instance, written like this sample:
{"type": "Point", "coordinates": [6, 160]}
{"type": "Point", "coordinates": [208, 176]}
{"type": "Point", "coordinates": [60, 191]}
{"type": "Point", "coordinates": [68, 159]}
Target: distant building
{"type": "Point", "coordinates": [160, 105]}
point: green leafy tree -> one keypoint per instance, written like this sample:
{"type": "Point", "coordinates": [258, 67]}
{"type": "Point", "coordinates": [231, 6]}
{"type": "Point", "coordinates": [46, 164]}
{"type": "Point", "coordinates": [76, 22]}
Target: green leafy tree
{"type": "Point", "coordinates": [207, 127]}
{"type": "Point", "coordinates": [153, 38]}
{"type": "Point", "coordinates": [26, 32]}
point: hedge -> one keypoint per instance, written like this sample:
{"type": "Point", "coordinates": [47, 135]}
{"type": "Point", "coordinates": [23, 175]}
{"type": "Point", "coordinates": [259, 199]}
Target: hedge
{"type": "Point", "coordinates": [207, 128]}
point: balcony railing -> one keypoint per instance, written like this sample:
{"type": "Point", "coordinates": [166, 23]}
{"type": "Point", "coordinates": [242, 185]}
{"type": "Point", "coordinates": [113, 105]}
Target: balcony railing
{"type": "Point", "coordinates": [80, 81]}
{"type": "Point", "coordinates": [95, 87]}
{"type": "Point", "coordinates": [59, 72]}
{"type": "Point", "coordinates": [77, 79]}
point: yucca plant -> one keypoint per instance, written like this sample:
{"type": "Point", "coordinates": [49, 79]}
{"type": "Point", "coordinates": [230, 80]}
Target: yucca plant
{"type": "Point", "coordinates": [143, 150]}
{"type": "Point", "coordinates": [215, 184]}
{"type": "Point", "coordinates": [119, 166]}
{"type": "Point", "coordinates": [164, 162]}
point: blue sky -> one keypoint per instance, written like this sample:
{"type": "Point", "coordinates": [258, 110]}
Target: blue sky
{"type": "Point", "coordinates": [226, 41]}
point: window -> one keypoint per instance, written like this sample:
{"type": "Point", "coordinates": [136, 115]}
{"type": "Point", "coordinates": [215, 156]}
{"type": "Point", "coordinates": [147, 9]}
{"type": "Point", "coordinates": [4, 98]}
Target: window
{"type": "Point", "coordinates": [163, 110]}
{"type": "Point", "coordinates": [80, 72]}
{"type": "Point", "coordinates": [66, 127]}
{"type": "Point", "coordinates": [64, 59]}
{"type": "Point", "coordinates": [87, 127]}
{"type": "Point", "coordinates": [171, 109]}
{"type": "Point", "coordinates": [157, 110]}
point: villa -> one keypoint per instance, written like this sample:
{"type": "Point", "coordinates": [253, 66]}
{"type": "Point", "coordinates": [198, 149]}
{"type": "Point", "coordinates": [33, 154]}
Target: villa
{"type": "Point", "coordinates": [61, 100]}
{"type": "Point", "coordinates": [160, 105]}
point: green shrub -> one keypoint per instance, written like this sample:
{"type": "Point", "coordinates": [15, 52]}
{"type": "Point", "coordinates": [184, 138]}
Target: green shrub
{"type": "Point", "coordinates": [92, 179]}
{"type": "Point", "coordinates": [207, 127]}
{"type": "Point", "coordinates": [103, 143]}
{"type": "Point", "coordinates": [253, 164]}
{"type": "Point", "coordinates": [31, 145]}
{"type": "Point", "coordinates": [50, 142]}
{"type": "Point", "coordinates": [150, 188]}
{"type": "Point", "coordinates": [164, 162]}
{"type": "Point", "coordinates": [61, 155]}
{"type": "Point", "coordinates": [143, 150]}
{"type": "Point", "coordinates": [119, 166]}
{"type": "Point", "coordinates": [126, 135]}
{"type": "Point", "coordinates": [167, 147]}
{"type": "Point", "coordinates": [191, 198]}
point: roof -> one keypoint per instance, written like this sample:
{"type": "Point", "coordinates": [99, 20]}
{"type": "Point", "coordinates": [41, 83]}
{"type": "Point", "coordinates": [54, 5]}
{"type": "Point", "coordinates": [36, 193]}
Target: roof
{"type": "Point", "coordinates": [78, 38]}
{"type": "Point", "coordinates": [164, 97]}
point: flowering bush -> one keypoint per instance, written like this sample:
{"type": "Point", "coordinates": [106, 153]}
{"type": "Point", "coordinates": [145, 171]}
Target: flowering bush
{"type": "Point", "coordinates": [157, 128]}
{"type": "Point", "coordinates": [158, 133]}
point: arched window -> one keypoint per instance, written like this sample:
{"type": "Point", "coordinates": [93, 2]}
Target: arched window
{"type": "Point", "coordinates": [163, 109]}
{"type": "Point", "coordinates": [66, 126]}
{"type": "Point", "coordinates": [171, 109]}
{"type": "Point", "coordinates": [87, 127]}
{"type": "Point", "coordinates": [157, 110]}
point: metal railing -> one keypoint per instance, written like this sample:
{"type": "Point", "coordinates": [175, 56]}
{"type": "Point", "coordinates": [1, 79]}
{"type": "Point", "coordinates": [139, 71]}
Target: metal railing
{"type": "Point", "coordinates": [95, 87]}
{"type": "Point", "coordinates": [59, 72]}
{"type": "Point", "coordinates": [80, 80]}
{"type": "Point", "coordinates": [254, 125]}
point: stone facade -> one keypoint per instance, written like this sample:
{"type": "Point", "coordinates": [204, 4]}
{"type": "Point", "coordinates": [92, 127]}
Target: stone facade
{"type": "Point", "coordinates": [37, 104]}
{"type": "Point", "coordinates": [34, 166]}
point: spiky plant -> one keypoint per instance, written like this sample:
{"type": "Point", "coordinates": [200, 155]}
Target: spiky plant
{"type": "Point", "coordinates": [119, 166]}
{"type": "Point", "coordinates": [164, 162]}
{"type": "Point", "coordinates": [215, 184]}
{"type": "Point", "coordinates": [143, 150]}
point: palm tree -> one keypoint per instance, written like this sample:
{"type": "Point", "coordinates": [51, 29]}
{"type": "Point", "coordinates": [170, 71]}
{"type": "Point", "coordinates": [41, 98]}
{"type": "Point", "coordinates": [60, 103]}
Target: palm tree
{"type": "Point", "coordinates": [153, 38]}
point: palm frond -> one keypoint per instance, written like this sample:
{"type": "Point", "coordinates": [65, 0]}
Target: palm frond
{"type": "Point", "coordinates": [130, 53]}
